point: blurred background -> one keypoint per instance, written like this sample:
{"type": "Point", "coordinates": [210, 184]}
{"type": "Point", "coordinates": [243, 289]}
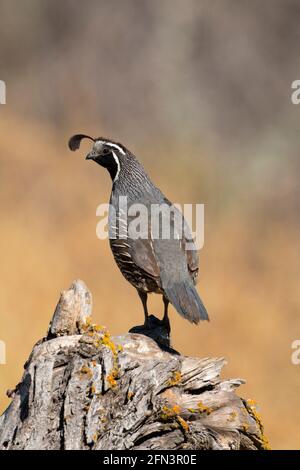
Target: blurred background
{"type": "Point", "coordinates": [200, 91]}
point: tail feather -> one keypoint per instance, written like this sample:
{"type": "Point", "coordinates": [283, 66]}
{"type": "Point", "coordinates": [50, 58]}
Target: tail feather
{"type": "Point", "coordinates": [184, 297]}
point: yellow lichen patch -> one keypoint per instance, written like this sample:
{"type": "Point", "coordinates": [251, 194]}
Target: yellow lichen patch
{"type": "Point", "coordinates": [98, 328]}
{"type": "Point", "coordinates": [245, 427]}
{"type": "Point", "coordinates": [232, 416]}
{"type": "Point", "coordinates": [176, 409]}
{"type": "Point", "coordinates": [106, 341]}
{"type": "Point", "coordinates": [91, 328]}
{"type": "Point", "coordinates": [192, 410]}
{"type": "Point", "coordinates": [97, 341]}
{"type": "Point", "coordinates": [113, 375]}
{"type": "Point", "coordinates": [88, 322]}
{"type": "Point", "coordinates": [251, 402]}
{"type": "Point", "coordinates": [175, 379]}
{"type": "Point", "coordinates": [203, 408]}
{"type": "Point", "coordinates": [265, 442]}
{"type": "Point", "coordinates": [92, 389]}
{"type": "Point", "coordinates": [168, 412]}
{"type": "Point", "coordinates": [130, 396]}
{"type": "Point", "coordinates": [85, 371]}
{"type": "Point", "coordinates": [174, 414]}
{"type": "Point", "coordinates": [183, 423]}
{"type": "Point", "coordinates": [251, 406]}
{"type": "Point", "coordinates": [111, 378]}
{"type": "Point", "coordinates": [102, 337]}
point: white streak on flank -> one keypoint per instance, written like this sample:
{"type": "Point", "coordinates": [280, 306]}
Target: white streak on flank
{"type": "Point", "coordinates": [118, 165]}
{"type": "Point", "coordinates": [111, 144]}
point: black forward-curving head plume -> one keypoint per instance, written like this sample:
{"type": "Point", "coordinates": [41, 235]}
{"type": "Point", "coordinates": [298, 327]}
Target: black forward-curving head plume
{"type": "Point", "coordinates": [75, 140]}
{"type": "Point", "coordinates": [116, 158]}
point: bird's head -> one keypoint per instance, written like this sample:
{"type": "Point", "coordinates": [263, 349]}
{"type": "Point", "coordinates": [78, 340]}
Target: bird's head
{"type": "Point", "coordinates": [105, 152]}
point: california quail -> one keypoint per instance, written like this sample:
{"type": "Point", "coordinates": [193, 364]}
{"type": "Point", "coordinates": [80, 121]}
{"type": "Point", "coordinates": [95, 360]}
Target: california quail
{"type": "Point", "coordinates": [151, 264]}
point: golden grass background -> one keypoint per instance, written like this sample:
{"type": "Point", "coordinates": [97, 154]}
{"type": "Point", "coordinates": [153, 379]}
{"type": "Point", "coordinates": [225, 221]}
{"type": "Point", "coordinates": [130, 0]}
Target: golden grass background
{"type": "Point", "coordinates": [249, 274]}
{"type": "Point", "coordinates": [200, 92]}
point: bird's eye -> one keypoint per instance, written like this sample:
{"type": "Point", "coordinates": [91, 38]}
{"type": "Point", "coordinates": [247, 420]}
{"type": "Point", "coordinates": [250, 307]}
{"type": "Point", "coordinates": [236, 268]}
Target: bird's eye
{"type": "Point", "coordinates": [106, 151]}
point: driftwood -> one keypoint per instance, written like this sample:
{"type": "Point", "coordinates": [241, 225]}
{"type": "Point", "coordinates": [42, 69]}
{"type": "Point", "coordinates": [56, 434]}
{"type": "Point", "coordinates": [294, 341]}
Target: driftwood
{"type": "Point", "coordinates": [83, 389]}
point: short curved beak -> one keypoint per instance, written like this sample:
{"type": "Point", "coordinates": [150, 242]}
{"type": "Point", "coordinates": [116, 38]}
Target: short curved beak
{"type": "Point", "coordinates": [90, 156]}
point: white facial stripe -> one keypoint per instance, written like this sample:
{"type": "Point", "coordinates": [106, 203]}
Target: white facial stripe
{"type": "Point", "coordinates": [118, 165]}
{"type": "Point", "coordinates": [111, 144]}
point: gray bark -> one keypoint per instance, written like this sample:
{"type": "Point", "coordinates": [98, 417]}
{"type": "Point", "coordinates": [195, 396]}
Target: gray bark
{"type": "Point", "coordinates": [83, 389]}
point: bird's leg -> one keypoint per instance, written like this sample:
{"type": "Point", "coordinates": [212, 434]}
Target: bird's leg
{"type": "Point", "coordinates": [165, 319]}
{"type": "Point", "coordinates": [143, 297]}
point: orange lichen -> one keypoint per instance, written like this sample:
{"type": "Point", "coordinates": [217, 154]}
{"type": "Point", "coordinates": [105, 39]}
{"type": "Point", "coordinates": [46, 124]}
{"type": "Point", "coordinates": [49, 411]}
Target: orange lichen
{"type": "Point", "coordinates": [251, 407]}
{"type": "Point", "coordinates": [85, 371]}
{"type": "Point", "coordinates": [168, 413]}
{"type": "Point", "coordinates": [183, 423]}
{"type": "Point", "coordinates": [175, 379]}
{"type": "Point", "coordinates": [232, 416]}
{"type": "Point", "coordinates": [111, 378]}
{"type": "Point", "coordinates": [87, 323]}
{"type": "Point", "coordinates": [98, 327]}
{"type": "Point", "coordinates": [174, 414]}
{"type": "Point", "coordinates": [251, 402]}
{"type": "Point", "coordinates": [106, 341]}
{"type": "Point", "coordinates": [130, 396]}
{"type": "Point", "coordinates": [91, 328]}
{"type": "Point", "coordinates": [176, 409]}
{"type": "Point", "coordinates": [203, 408]}
{"type": "Point", "coordinates": [102, 337]}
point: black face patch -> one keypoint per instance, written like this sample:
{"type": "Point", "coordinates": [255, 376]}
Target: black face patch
{"type": "Point", "coordinates": [110, 161]}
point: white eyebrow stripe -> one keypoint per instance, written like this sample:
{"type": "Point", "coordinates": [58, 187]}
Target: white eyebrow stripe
{"type": "Point", "coordinates": [118, 165]}
{"type": "Point", "coordinates": [111, 144]}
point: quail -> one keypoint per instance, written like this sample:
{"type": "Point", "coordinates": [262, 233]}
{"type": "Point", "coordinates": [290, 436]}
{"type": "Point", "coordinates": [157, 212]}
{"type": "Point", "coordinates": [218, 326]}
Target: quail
{"type": "Point", "coordinates": [158, 264]}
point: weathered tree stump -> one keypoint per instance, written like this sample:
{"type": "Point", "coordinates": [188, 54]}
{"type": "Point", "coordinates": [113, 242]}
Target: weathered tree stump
{"type": "Point", "coordinates": [83, 389]}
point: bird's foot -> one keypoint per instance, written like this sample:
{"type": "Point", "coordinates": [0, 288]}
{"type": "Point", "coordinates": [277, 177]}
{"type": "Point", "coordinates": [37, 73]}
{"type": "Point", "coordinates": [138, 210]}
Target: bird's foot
{"type": "Point", "coordinates": [147, 324]}
{"type": "Point", "coordinates": [158, 330]}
